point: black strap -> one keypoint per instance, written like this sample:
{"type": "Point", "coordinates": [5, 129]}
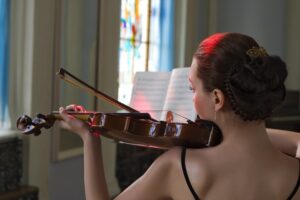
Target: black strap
{"type": "Point", "coordinates": [186, 175]}
{"type": "Point", "coordinates": [195, 194]}
{"type": "Point", "coordinates": [296, 186]}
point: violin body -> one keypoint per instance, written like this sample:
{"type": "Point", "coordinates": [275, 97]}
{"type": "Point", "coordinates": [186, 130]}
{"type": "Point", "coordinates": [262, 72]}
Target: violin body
{"type": "Point", "coordinates": [156, 134]}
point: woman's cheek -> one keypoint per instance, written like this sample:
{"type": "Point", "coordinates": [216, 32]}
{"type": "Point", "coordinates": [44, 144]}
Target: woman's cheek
{"type": "Point", "coordinates": [197, 104]}
{"type": "Point", "coordinates": [200, 106]}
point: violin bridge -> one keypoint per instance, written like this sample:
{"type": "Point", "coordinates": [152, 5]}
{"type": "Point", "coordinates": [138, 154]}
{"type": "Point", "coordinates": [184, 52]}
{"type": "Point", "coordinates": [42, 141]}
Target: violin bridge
{"type": "Point", "coordinates": [127, 122]}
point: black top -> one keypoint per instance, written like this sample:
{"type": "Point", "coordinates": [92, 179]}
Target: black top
{"type": "Point", "coordinates": [186, 176]}
{"type": "Point", "coordinates": [195, 194]}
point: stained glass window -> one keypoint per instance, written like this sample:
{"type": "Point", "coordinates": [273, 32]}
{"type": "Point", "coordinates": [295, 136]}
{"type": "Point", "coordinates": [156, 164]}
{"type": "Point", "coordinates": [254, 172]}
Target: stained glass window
{"type": "Point", "coordinates": [136, 16]}
{"type": "Point", "coordinates": [146, 33]}
{"type": "Point", "coordinates": [134, 43]}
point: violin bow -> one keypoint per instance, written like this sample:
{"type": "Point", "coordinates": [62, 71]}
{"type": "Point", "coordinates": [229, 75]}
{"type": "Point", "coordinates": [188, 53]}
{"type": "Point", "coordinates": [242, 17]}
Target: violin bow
{"type": "Point", "coordinates": [73, 80]}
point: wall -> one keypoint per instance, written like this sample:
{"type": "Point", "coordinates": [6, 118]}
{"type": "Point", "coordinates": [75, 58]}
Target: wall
{"type": "Point", "coordinates": [293, 44]}
{"type": "Point", "coordinates": [263, 20]}
{"type": "Point", "coordinates": [66, 179]}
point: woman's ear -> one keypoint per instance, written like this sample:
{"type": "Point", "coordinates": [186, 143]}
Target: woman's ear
{"type": "Point", "coordinates": [218, 99]}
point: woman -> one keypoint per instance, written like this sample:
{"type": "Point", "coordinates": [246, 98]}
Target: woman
{"type": "Point", "coordinates": [236, 85]}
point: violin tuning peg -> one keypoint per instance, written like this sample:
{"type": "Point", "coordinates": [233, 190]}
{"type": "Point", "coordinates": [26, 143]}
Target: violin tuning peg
{"type": "Point", "coordinates": [23, 122]}
{"type": "Point", "coordinates": [30, 129]}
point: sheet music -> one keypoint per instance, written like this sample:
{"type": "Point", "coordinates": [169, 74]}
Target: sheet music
{"type": "Point", "coordinates": [179, 97]}
{"type": "Point", "coordinates": [149, 92]}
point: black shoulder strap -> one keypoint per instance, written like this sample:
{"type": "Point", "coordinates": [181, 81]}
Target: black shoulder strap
{"type": "Point", "coordinates": [186, 175]}
{"type": "Point", "coordinates": [296, 186]}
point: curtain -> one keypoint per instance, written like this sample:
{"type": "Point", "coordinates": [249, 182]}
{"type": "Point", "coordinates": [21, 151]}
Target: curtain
{"type": "Point", "coordinates": [4, 59]}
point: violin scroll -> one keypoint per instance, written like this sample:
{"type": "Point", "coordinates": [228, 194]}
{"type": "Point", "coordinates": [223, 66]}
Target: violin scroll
{"type": "Point", "coordinates": [34, 126]}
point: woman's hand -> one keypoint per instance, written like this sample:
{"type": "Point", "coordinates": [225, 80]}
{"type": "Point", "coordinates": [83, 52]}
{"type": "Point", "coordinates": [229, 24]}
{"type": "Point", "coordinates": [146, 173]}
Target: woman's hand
{"type": "Point", "coordinates": [73, 124]}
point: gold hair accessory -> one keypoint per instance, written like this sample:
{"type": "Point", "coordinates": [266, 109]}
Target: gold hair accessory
{"type": "Point", "coordinates": [256, 52]}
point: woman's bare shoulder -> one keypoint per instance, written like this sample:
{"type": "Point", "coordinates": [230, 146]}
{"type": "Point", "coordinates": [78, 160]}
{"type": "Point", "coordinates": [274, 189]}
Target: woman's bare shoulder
{"type": "Point", "coordinates": [201, 163]}
{"type": "Point", "coordinates": [172, 154]}
{"type": "Point", "coordinates": [169, 160]}
{"type": "Point", "coordinates": [197, 157]}
{"type": "Point", "coordinates": [157, 178]}
{"type": "Point", "coordinates": [198, 168]}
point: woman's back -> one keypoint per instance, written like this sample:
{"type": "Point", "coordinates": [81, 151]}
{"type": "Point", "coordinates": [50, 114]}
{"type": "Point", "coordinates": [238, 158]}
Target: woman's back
{"type": "Point", "coordinates": [236, 172]}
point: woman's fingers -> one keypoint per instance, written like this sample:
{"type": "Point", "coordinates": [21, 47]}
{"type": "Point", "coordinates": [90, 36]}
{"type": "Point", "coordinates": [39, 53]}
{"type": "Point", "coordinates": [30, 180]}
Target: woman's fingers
{"type": "Point", "coordinates": [65, 123]}
{"type": "Point", "coordinates": [80, 108]}
{"type": "Point", "coordinates": [71, 123]}
{"type": "Point", "coordinates": [64, 114]}
{"type": "Point", "coordinates": [71, 107]}
{"type": "Point", "coordinates": [75, 108]}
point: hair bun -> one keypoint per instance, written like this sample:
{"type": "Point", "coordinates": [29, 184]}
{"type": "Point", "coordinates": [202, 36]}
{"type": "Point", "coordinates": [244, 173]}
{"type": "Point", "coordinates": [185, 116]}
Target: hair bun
{"type": "Point", "coordinates": [261, 78]}
{"type": "Point", "coordinates": [270, 70]}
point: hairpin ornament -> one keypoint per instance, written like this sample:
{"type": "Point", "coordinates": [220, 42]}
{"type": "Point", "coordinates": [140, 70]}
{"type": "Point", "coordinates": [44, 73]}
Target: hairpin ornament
{"type": "Point", "coordinates": [256, 52]}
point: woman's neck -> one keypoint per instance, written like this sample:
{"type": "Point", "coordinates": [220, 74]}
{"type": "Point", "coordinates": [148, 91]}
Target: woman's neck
{"type": "Point", "coordinates": [240, 129]}
{"type": "Point", "coordinates": [249, 141]}
{"type": "Point", "coordinates": [245, 134]}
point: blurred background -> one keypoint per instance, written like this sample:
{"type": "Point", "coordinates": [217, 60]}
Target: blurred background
{"type": "Point", "coordinates": [104, 42]}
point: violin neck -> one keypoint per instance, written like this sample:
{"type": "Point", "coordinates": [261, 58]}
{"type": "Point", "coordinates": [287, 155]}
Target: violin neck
{"type": "Point", "coordinates": [78, 115]}
{"type": "Point", "coordinates": [85, 116]}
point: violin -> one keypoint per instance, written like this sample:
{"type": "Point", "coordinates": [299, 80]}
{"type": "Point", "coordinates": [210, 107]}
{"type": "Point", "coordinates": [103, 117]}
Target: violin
{"type": "Point", "coordinates": [134, 127]}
